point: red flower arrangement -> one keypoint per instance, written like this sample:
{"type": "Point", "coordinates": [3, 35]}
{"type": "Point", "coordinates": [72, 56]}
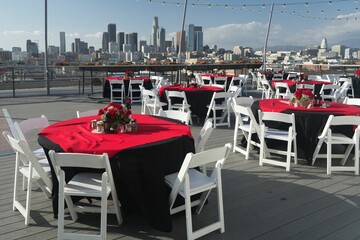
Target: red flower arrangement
{"type": "Point", "coordinates": [303, 96]}
{"type": "Point", "coordinates": [129, 74]}
{"type": "Point", "coordinates": [115, 113]}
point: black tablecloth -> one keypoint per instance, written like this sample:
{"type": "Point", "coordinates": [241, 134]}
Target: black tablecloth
{"type": "Point", "coordinates": [139, 177]}
{"type": "Point", "coordinates": [106, 88]}
{"type": "Point", "coordinates": [356, 86]}
{"type": "Point", "coordinates": [198, 101]}
{"type": "Point", "coordinates": [309, 125]}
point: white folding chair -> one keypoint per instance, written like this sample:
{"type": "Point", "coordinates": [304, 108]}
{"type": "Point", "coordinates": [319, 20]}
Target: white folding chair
{"type": "Point", "coordinates": [87, 113]}
{"type": "Point", "coordinates": [33, 169]}
{"type": "Point", "coordinates": [85, 184]}
{"type": "Point", "coordinates": [117, 91]}
{"type": "Point", "coordinates": [203, 136]}
{"type": "Point", "coordinates": [151, 102]}
{"type": "Point", "coordinates": [188, 182]}
{"type": "Point", "coordinates": [245, 123]}
{"type": "Point", "coordinates": [267, 91]}
{"type": "Point", "coordinates": [278, 76]}
{"type": "Point", "coordinates": [220, 81]}
{"type": "Point", "coordinates": [10, 123]}
{"type": "Point", "coordinates": [282, 90]}
{"type": "Point", "coordinates": [310, 87]}
{"type": "Point", "coordinates": [134, 91]}
{"type": "Point", "coordinates": [220, 101]}
{"type": "Point", "coordinates": [173, 97]}
{"type": "Point", "coordinates": [329, 92]}
{"type": "Point", "coordinates": [184, 117]}
{"type": "Point", "coordinates": [207, 80]}
{"type": "Point", "coordinates": [342, 93]}
{"type": "Point", "coordinates": [24, 127]}
{"type": "Point", "coordinates": [341, 82]}
{"type": "Point", "coordinates": [335, 138]}
{"type": "Point", "coordinates": [288, 136]}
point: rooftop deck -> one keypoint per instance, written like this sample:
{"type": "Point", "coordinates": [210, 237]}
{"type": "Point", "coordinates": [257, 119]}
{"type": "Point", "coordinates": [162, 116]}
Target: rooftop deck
{"type": "Point", "coordinates": [259, 202]}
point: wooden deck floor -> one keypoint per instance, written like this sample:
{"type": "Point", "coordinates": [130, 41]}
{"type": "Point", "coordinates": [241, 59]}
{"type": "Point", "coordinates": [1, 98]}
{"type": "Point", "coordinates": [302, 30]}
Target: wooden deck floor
{"type": "Point", "coordinates": [260, 202]}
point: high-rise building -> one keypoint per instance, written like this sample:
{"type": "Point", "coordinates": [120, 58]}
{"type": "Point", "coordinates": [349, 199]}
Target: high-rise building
{"type": "Point", "coordinates": [141, 44]}
{"type": "Point", "coordinates": [112, 32]}
{"type": "Point", "coordinates": [323, 43]}
{"type": "Point", "coordinates": [161, 40]}
{"type": "Point", "coordinates": [77, 45]}
{"type": "Point", "coordinates": [199, 39]}
{"type": "Point", "coordinates": [191, 38]}
{"type": "Point", "coordinates": [121, 40]}
{"type": "Point", "coordinates": [62, 42]}
{"type": "Point", "coordinates": [131, 39]}
{"type": "Point", "coordinates": [154, 31]}
{"type": "Point", "coordinates": [339, 49]}
{"type": "Point", "coordinates": [183, 42]}
{"type": "Point", "coordinates": [105, 41]}
{"type": "Point", "coordinates": [32, 48]}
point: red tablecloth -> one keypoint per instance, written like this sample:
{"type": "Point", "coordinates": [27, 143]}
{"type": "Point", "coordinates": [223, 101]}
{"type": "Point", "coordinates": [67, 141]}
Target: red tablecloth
{"type": "Point", "coordinates": [216, 75]}
{"type": "Point", "coordinates": [292, 83]}
{"type": "Point", "coordinates": [189, 89]}
{"type": "Point", "coordinates": [75, 135]}
{"type": "Point", "coordinates": [276, 105]}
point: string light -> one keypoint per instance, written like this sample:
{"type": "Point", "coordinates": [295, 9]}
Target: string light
{"type": "Point", "coordinates": [284, 5]}
{"type": "Point", "coordinates": [330, 3]}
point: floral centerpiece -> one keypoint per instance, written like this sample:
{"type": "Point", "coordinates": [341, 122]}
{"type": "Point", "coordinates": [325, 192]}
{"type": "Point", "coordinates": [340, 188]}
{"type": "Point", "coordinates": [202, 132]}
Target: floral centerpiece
{"type": "Point", "coordinates": [129, 74]}
{"type": "Point", "coordinates": [302, 97]}
{"type": "Point", "coordinates": [115, 117]}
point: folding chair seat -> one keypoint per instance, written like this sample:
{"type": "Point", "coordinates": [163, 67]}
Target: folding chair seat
{"type": "Point", "coordinates": [33, 170]}
{"type": "Point", "coordinates": [177, 101]}
{"type": "Point", "coordinates": [245, 123]}
{"type": "Point", "coordinates": [338, 138]}
{"type": "Point", "coordinates": [87, 113]}
{"type": "Point", "coordinates": [117, 91]}
{"type": "Point", "coordinates": [184, 117]}
{"type": "Point", "coordinates": [288, 136]}
{"type": "Point", "coordinates": [85, 184]}
{"type": "Point", "coordinates": [188, 182]}
{"type": "Point", "coordinates": [220, 81]}
{"type": "Point", "coordinates": [220, 102]}
{"type": "Point", "coordinates": [134, 90]}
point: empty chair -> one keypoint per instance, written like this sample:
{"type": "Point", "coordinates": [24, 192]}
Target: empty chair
{"type": "Point", "coordinates": [236, 81]}
{"type": "Point", "coordinates": [10, 123]}
{"type": "Point", "coordinates": [338, 138]}
{"type": "Point", "coordinates": [245, 123]}
{"type": "Point", "coordinates": [244, 82]}
{"type": "Point", "coordinates": [189, 182]}
{"type": "Point", "coordinates": [236, 91]}
{"type": "Point", "coordinates": [350, 91]}
{"type": "Point", "coordinates": [220, 81]}
{"type": "Point", "coordinates": [198, 79]}
{"type": "Point", "coordinates": [267, 91]}
{"type": "Point", "coordinates": [24, 127]}
{"type": "Point", "coordinates": [220, 103]}
{"type": "Point", "coordinates": [203, 136]}
{"type": "Point", "coordinates": [256, 81]}
{"type": "Point", "coordinates": [177, 101]}
{"type": "Point", "coordinates": [306, 86]}
{"type": "Point", "coordinates": [292, 75]}
{"type": "Point", "coordinates": [243, 101]}
{"type": "Point", "coordinates": [134, 90]}
{"type": "Point", "coordinates": [329, 92]}
{"type": "Point", "coordinates": [278, 76]}
{"type": "Point", "coordinates": [33, 170]}
{"type": "Point", "coordinates": [87, 113]}
{"type": "Point", "coordinates": [184, 117]}
{"type": "Point", "coordinates": [117, 91]}
{"type": "Point", "coordinates": [207, 80]}
{"type": "Point", "coordinates": [282, 90]}
{"type": "Point", "coordinates": [288, 136]}
{"type": "Point", "coordinates": [342, 93]}
{"type": "Point", "coordinates": [151, 102]}
{"type": "Point", "coordinates": [85, 184]}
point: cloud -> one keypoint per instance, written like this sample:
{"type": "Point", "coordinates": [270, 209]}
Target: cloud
{"type": "Point", "coordinates": [350, 15]}
{"type": "Point", "coordinates": [244, 34]}
{"type": "Point", "coordinates": [94, 35]}
{"type": "Point", "coordinates": [22, 33]}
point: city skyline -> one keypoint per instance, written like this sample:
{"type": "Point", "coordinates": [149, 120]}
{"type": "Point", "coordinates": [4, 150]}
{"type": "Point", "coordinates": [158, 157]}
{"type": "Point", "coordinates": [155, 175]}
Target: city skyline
{"type": "Point", "coordinates": [229, 24]}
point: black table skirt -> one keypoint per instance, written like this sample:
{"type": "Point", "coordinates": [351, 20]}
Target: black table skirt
{"type": "Point", "coordinates": [139, 177]}
{"type": "Point", "coordinates": [309, 125]}
{"type": "Point", "coordinates": [106, 88]}
{"type": "Point", "coordinates": [356, 86]}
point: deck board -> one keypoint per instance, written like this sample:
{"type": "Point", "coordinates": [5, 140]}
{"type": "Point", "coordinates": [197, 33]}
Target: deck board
{"type": "Point", "coordinates": [260, 202]}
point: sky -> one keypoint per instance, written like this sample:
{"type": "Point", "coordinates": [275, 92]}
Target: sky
{"type": "Point", "coordinates": [226, 23]}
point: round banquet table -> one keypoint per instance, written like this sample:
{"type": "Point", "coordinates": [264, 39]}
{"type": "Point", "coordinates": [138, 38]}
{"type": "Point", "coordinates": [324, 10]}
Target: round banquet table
{"type": "Point", "coordinates": [292, 84]}
{"type": "Point", "coordinates": [198, 98]}
{"type": "Point", "coordinates": [106, 88]}
{"type": "Point", "coordinates": [309, 121]}
{"type": "Point", "coordinates": [139, 160]}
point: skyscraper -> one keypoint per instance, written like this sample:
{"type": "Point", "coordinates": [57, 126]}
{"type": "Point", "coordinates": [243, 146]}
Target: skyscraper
{"type": "Point", "coordinates": [121, 40]}
{"type": "Point", "coordinates": [62, 42]}
{"type": "Point", "coordinates": [199, 40]}
{"type": "Point", "coordinates": [183, 42]}
{"type": "Point", "coordinates": [154, 31]}
{"type": "Point", "coordinates": [105, 42]}
{"type": "Point", "coordinates": [191, 38]}
{"type": "Point", "coordinates": [161, 40]}
{"type": "Point", "coordinates": [112, 32]}
{"type": "Point", "coordinates": [131, 39]}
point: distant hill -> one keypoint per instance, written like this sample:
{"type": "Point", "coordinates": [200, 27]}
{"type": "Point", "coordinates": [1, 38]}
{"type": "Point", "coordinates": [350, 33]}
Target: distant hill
{"type": "Point", "coordinates": [353, 43]}
{"type": "Point", "coordinates": [282, 48]}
